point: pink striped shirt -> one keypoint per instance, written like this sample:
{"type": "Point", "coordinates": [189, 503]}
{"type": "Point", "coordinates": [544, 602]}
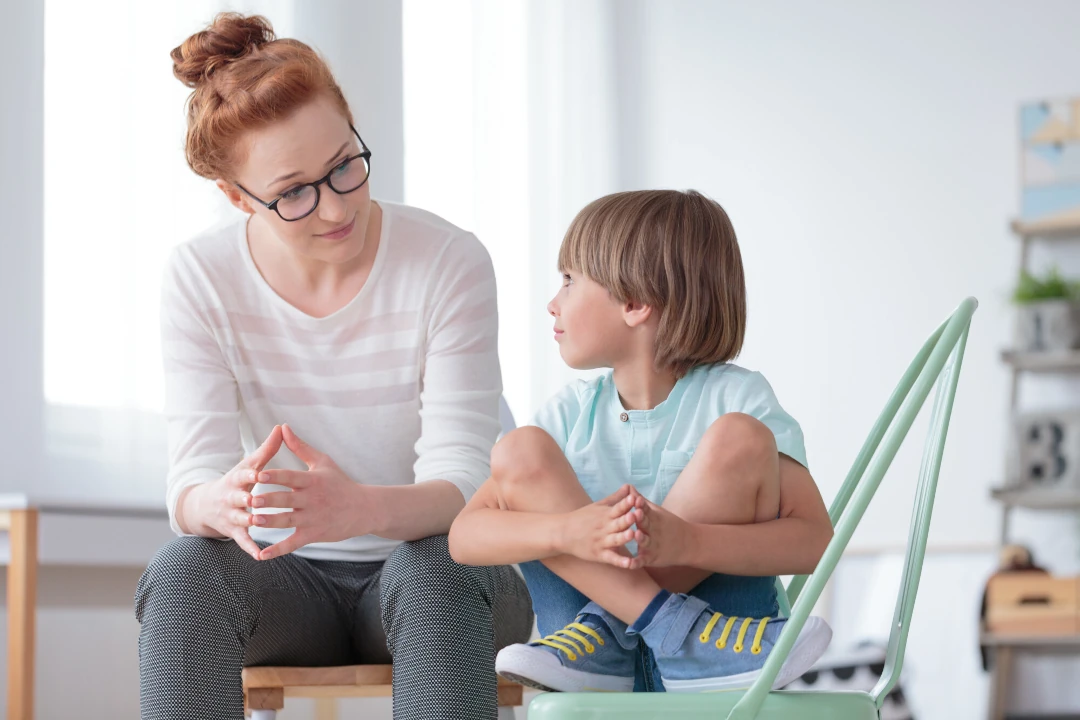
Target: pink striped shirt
{"type": "Point", "coordinates": [399, 386]}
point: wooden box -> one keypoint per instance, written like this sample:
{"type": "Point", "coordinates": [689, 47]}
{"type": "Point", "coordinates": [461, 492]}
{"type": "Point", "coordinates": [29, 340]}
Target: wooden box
{"type": "Point", "coordinates": [1033, 604]}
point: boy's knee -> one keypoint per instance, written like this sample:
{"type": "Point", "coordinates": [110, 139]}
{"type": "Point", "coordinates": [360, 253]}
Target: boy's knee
{"type": "Point", "coordinates": [739, 440]}
{"type": "Point", "coordinates": [522, 454]}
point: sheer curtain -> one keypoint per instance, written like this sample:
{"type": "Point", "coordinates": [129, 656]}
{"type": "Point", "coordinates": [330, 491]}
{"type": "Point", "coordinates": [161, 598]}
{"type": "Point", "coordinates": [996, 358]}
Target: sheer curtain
{"type": "Point", "coordinates": [510, 129]}
{"type": "Point", "coordinates": [119, 196]}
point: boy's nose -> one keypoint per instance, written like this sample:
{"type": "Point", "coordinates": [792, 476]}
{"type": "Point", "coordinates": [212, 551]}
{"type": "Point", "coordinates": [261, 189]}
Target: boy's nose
{"type": "Point", "coordinates": [551, 309]}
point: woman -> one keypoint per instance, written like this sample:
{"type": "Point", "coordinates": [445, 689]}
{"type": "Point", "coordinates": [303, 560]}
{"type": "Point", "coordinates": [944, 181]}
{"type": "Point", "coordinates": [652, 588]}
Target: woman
{"type": "Point", "coordinates": [350, 347]}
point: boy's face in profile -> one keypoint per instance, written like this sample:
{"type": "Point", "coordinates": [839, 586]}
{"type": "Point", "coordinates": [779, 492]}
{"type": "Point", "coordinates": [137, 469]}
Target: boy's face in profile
{"type": "Point", "coordinates": [589, 323]}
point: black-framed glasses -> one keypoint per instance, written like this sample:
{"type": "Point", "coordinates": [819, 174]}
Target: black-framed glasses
{"type": "Point", "coordinates": [298, 202]}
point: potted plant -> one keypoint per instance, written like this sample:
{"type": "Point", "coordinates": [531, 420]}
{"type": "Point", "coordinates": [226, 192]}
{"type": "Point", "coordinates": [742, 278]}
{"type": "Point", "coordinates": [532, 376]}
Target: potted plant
{"type": "Point", "coordinates": [1048, 313]}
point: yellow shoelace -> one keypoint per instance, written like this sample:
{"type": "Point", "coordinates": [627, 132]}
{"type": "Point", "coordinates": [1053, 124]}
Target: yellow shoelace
{"type": "Point", "coordinates": [755, 648]}
{"type": "Point", "coordinates": [567, 640]}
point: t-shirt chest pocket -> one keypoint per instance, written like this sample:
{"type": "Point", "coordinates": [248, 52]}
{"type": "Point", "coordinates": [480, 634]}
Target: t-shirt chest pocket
{"type": "Point", "coordinates": [672, 463]}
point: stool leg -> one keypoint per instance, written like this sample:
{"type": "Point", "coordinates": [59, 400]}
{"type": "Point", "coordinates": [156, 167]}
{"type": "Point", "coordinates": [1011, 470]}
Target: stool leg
{"type": "Point", "coordinates": [326, 709]}
{"type": "Point", "coordinates": [999, 684]}
{"type": "Point", "coordinates": [263, 714]}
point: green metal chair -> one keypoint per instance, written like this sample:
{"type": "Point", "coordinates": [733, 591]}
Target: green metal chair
{"type": "Point", "coordinates": [938, 362]}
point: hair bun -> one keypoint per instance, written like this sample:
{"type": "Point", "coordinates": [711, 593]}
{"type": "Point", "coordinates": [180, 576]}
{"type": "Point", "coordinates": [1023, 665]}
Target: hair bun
{"type": "Point", "coordinates": [230, 37]}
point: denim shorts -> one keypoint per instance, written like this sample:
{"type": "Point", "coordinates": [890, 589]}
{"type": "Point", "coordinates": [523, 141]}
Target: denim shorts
{"type": "Point", "coordinates": [556, 604]}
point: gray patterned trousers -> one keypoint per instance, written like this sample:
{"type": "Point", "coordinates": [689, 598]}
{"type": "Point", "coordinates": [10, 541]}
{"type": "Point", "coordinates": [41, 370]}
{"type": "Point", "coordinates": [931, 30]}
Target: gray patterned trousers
{"type": "Point", "coordinates": [208, 610]}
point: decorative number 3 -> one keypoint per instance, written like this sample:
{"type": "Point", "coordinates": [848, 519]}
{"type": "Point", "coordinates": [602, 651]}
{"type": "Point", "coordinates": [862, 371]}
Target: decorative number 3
{"type": "Point", "coordinates": [1057, 460]}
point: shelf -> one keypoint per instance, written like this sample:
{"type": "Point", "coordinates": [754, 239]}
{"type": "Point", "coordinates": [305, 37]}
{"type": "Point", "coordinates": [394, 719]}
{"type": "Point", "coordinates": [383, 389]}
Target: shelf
{"type": "Point", "coordinates": [1064, 228]}
{"type": "Point", "coordinates": [1038, 499]}
{"type": "Point", "coordinates": [1027, 640]}
{"type": "Point", "coordinates": [1046, 362]}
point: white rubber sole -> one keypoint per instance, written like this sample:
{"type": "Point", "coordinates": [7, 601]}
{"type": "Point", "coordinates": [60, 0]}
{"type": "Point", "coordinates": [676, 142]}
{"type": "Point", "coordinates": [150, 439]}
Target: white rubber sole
{"type": "Point", "coordinates": [540, 669]}
{"type": "Point", "coordinates": [810, 645]}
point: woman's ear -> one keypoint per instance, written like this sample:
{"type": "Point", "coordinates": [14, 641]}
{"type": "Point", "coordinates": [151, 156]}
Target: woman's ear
{"type": "Point", "coordinates": [636, 314]}
{"type": "Point", "coordinates": [237, 198]}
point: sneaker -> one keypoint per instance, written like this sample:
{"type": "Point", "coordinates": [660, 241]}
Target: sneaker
{"type": "Point", "coordinates": [698, 650]}
{"type": "Point", "coordinates": [592, 654]}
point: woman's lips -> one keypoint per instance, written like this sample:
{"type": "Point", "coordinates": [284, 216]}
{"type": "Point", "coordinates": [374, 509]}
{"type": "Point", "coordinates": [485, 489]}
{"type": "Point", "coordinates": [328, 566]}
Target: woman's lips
{"type": "Point", "coordinates": [341, 232]}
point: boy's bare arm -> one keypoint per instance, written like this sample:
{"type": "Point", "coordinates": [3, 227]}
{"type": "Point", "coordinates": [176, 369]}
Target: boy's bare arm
{"type": "Point", "coordinates": [487, 533]}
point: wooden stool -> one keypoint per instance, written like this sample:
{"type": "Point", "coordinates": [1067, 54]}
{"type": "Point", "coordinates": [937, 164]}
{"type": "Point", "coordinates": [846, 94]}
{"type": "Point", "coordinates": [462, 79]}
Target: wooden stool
{"type": "Point", "coordinates": [265, 688]}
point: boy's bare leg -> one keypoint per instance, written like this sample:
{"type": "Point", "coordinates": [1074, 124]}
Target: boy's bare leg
{"type": "Point", "coordinates": [532, 475]}
{"type": "Point", "coordinates": [732, 479]}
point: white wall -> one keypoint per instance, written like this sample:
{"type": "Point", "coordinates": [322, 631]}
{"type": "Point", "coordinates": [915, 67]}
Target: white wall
{"type": "Point", "coordinates": [361, 39]}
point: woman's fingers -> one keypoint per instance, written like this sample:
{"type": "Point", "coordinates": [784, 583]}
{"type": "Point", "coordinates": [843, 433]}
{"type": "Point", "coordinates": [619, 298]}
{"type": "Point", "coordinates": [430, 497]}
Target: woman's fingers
{"type": "Point", "coordinates": [240, 499]}
{"type": "Point", "coordinates": [276, 520]}
{"type": "Point", "coordinates": [287, 499]}
{"type": "Point", "coordinates": [295, 479]}
{"type": "Point", "coordinates": [307, 454]}
{"type": "Point", "coordinates": [294, 542]}
{"type": "Point", "coordinates": [240, 518]}
{"type": "Point", "coordinates": [262, 455]}
{"type": "Point", "coordinates": [241, 537]}
{"type": "Point", "coordinates": [243, 478]}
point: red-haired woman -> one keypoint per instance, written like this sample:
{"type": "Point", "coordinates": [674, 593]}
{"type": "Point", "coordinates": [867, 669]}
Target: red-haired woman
{"type": "Point", "coordinates": [348, 347]}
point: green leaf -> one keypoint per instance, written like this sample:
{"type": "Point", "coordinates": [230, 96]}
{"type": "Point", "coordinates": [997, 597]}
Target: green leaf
{"type": "Point", "coordinates": [1051, 286]}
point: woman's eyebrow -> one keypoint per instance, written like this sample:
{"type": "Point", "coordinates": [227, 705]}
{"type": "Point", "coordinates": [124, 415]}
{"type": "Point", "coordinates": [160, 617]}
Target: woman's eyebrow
{"type": "Point", "coordinates": [294, 174]}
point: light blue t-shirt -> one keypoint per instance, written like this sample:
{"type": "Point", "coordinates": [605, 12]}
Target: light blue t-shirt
{"type": "Point", "coordinates": [608, 445]}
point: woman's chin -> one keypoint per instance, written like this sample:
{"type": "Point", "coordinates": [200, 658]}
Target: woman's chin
{"type": "Point", "coordinates": [341, 252]}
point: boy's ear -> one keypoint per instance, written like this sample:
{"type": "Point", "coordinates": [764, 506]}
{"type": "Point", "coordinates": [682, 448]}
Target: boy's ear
{"type": "Point", "coordinates": [636, 314]}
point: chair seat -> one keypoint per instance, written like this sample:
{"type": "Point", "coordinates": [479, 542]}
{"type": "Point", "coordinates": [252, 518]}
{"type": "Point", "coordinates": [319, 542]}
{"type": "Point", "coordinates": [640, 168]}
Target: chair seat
{"type": "Point", "coordinates": [779, 705]}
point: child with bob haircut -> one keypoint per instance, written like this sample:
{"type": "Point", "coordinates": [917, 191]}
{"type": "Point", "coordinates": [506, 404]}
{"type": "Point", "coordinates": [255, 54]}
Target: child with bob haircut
{"type": "Point", "coordinates": [674, 450]}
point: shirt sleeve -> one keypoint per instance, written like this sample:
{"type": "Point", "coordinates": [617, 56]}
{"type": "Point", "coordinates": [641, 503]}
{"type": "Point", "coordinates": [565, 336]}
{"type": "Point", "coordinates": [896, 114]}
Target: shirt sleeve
{"type": "Point", "coordinates": [755, 397]}
{"type": "Point", "coordinates": [557, 416]}
{"type": "Point", "coordinates": [202, 412]}
{"type": "Point", "coordinates": [462, 382]}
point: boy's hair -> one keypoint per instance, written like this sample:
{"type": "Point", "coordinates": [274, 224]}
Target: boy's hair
{"type": "Point", "coordinates": [675, 251]}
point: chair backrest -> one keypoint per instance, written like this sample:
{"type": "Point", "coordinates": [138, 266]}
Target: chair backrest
{"type": "Point", "coordinates": [937, 363]}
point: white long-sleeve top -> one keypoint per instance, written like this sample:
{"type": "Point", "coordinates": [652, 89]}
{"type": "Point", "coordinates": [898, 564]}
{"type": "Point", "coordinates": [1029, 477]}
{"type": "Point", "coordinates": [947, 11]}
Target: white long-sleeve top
{"type": "Point", "coordinates": [401, 385]}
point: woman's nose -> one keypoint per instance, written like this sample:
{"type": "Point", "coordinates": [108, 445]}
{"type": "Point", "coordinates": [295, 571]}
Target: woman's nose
{"type": "Point", "coordinates": [331, 205]}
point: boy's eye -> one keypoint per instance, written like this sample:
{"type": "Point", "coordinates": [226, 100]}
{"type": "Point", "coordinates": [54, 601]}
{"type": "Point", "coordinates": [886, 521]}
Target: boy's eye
{"type": "Point", "coordinates": [567, 280]}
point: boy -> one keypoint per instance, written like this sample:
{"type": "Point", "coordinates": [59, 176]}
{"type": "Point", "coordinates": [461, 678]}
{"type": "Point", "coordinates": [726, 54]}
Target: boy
{"type": "Point", "coordinates": [675, 450]}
